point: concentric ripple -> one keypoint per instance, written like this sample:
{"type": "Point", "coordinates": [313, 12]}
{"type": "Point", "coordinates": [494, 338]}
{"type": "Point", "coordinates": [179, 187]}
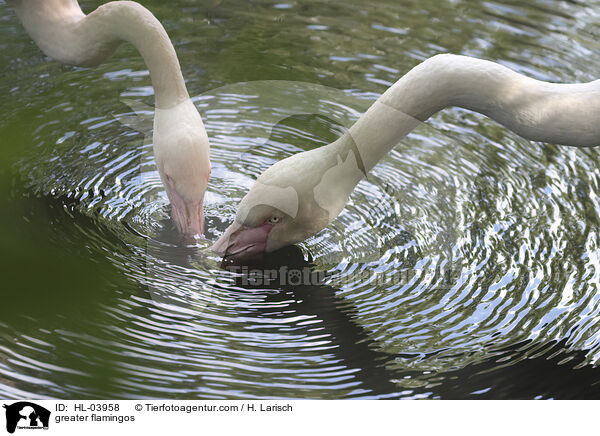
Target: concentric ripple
{"type": "Point", "coordinates": [466, 265]}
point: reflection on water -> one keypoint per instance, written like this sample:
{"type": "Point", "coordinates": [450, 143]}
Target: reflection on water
{"type": "Point", "coordinates": [465, 266]}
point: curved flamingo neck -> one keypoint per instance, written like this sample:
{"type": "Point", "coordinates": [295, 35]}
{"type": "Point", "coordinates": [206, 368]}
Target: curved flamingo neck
{"type": "Point", "coordinates": [567, 114]}
{"type": "Point", "coordinates": [65, 33]}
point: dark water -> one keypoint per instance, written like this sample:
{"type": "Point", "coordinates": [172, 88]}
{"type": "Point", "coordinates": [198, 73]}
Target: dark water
{"type": "Point", "coordinates": [465, 266]}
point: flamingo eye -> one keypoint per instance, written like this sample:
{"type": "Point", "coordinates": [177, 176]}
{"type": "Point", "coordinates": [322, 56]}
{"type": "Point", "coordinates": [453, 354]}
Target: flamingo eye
{"type": "Point", "coordinates": [274, 220]}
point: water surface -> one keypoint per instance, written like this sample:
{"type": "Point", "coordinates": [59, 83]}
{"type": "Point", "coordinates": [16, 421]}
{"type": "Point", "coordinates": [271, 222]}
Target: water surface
{"type": "Point", "coordinates": [465, 266]}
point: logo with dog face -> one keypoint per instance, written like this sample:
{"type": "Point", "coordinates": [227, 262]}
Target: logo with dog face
{"type": "Point", "coordinates": [26, 415]}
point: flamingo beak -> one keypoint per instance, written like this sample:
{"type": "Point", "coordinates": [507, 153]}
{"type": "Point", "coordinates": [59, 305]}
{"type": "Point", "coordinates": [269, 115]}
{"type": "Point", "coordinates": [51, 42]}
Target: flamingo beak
{"type": "Point", "coordinates": [188, 215]}
{"type": "Point", "coordinates": [242, 241]}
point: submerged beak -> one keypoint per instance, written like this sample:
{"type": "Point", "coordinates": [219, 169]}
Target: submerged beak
{"type": "Point", "coordinates": [188, 215]}
{"type": "Point", "coordinates": [242, 241]}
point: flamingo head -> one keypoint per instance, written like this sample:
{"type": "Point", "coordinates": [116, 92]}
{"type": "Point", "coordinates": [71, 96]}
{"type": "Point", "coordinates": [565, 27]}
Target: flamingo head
{"type": "Point", "coordinates": [186, 195]}
{"type": "Point", "coordinates": [181, 151]}
{"type": "Point", "coordinates": [264, 228]}
{"type": "Point", "coordinates": [293, 200]}
{"type": "Point", "coordinates": [279, 210]}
